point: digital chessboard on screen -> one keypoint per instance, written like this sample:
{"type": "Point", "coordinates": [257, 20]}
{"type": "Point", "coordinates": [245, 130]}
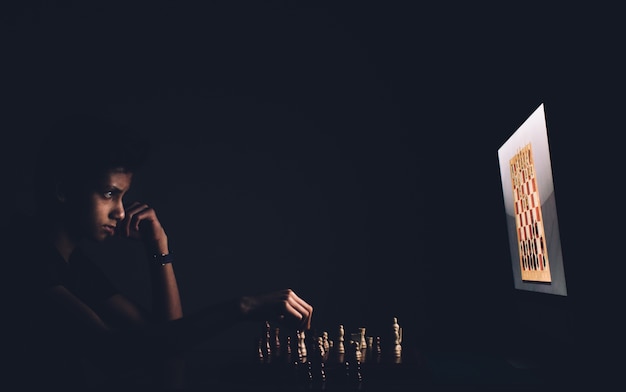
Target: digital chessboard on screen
{"type": "Point", "coordinates": [530, 206]}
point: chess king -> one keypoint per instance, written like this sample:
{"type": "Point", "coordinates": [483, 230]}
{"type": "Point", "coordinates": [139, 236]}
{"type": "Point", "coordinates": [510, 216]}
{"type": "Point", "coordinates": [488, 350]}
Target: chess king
{"type": "Point", "coordinates": [397, 333]}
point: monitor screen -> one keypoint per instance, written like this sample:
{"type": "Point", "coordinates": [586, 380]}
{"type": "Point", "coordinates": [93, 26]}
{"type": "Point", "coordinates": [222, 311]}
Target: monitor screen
{"type": "Point", "coordinates": [530, 206]}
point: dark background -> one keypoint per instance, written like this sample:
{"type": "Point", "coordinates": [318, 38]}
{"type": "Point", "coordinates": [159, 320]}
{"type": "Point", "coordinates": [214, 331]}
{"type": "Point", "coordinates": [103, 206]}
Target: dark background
{"type": "Point", "coordinates": [345, 149]}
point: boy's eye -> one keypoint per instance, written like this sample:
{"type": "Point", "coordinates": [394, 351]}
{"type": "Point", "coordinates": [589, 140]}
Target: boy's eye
{"type": "Point", "coordinates": [108, 195]}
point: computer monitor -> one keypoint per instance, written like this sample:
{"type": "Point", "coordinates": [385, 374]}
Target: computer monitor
{"type": "Point", "coordinates": [530, 207]}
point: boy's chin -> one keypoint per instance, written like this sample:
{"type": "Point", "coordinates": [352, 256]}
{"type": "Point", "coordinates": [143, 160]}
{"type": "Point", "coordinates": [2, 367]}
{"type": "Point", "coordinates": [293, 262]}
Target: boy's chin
{"type": "Point", "coordinates": [100, 237]}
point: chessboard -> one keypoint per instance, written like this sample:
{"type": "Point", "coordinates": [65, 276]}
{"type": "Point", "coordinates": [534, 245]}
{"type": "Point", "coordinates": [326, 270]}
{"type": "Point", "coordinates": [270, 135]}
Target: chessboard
{"type": "Point", "coordinates": [531, 237]}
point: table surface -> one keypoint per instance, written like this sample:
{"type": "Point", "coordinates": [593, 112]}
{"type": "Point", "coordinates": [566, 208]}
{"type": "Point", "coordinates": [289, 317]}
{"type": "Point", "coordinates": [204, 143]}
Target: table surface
{"type": "Point", "coordinates": [414, 370]}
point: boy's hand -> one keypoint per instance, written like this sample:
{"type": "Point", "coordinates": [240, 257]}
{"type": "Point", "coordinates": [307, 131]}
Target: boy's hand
{"type": "Point", "coordinates": [141, 223]}
{"type": "Point", "coordinates": [283, 306]}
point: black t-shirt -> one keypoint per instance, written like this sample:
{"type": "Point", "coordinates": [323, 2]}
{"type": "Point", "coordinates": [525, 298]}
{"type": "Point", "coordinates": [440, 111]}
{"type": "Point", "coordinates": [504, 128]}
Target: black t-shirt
{"type": "Point", "coordinates": [44, 344]}
{"type": "Point", "coordinates": [80, 275]}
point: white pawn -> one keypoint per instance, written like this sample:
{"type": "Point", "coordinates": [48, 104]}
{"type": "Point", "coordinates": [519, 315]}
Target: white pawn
{"type": "Point", "coordinates": [340, 347]}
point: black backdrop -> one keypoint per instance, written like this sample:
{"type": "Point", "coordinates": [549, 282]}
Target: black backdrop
{"type": "Point", "coordinates": [347, 150]}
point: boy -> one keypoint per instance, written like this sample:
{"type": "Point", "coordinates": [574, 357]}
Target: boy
{"type": "Point", "coordinates": [67, 319]}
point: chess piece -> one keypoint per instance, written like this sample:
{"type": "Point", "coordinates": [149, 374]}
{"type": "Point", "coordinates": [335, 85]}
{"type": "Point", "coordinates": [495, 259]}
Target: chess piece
{"type": "Point", "coordinates": [356, 349]}
{"type": "Point", "coordinates": [277, 340]}
{"type": "Point", "coordinates": [302, 344]}
{"type": "Point", "coordinates": [397, 334]}
{"type": "Point", "coordinates": [340, 347]}
{"type": "Point", "coordinates": [298, 344]}
{"type": "Point", "coordinates": [320, 346]}
{"type": "Point", "coordinates": [288, 344]}
{"type": "Point", "coordinates": [260, 347]}
{"type": "Point", "coordinates": [362, 341]}
{"type": "Point", "coordinates": [268, 346]}
{"type": "Point", "coordinates": [326, 341]}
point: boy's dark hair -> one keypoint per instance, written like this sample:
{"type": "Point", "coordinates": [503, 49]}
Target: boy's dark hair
{"type": "Point", "coordinates": [78, 151]}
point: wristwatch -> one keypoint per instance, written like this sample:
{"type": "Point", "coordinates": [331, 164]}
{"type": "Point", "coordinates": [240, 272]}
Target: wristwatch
{"type": "Point", "coordinates": [163, 258]}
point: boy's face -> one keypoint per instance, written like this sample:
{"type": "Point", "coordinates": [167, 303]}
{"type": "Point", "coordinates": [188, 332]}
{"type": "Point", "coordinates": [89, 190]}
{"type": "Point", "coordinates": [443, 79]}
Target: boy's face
{"type": "Point", "coordinates": [104, 208]}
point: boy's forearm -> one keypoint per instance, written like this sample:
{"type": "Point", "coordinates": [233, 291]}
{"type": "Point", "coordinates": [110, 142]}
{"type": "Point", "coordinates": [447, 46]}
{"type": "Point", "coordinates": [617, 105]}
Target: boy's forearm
{"type": "Point", "coordinates": [166, 303]}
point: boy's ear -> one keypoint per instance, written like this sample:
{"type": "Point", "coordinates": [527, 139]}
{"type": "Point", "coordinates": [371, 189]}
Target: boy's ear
{"type": "Point", "coordinates": [59, 193]}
